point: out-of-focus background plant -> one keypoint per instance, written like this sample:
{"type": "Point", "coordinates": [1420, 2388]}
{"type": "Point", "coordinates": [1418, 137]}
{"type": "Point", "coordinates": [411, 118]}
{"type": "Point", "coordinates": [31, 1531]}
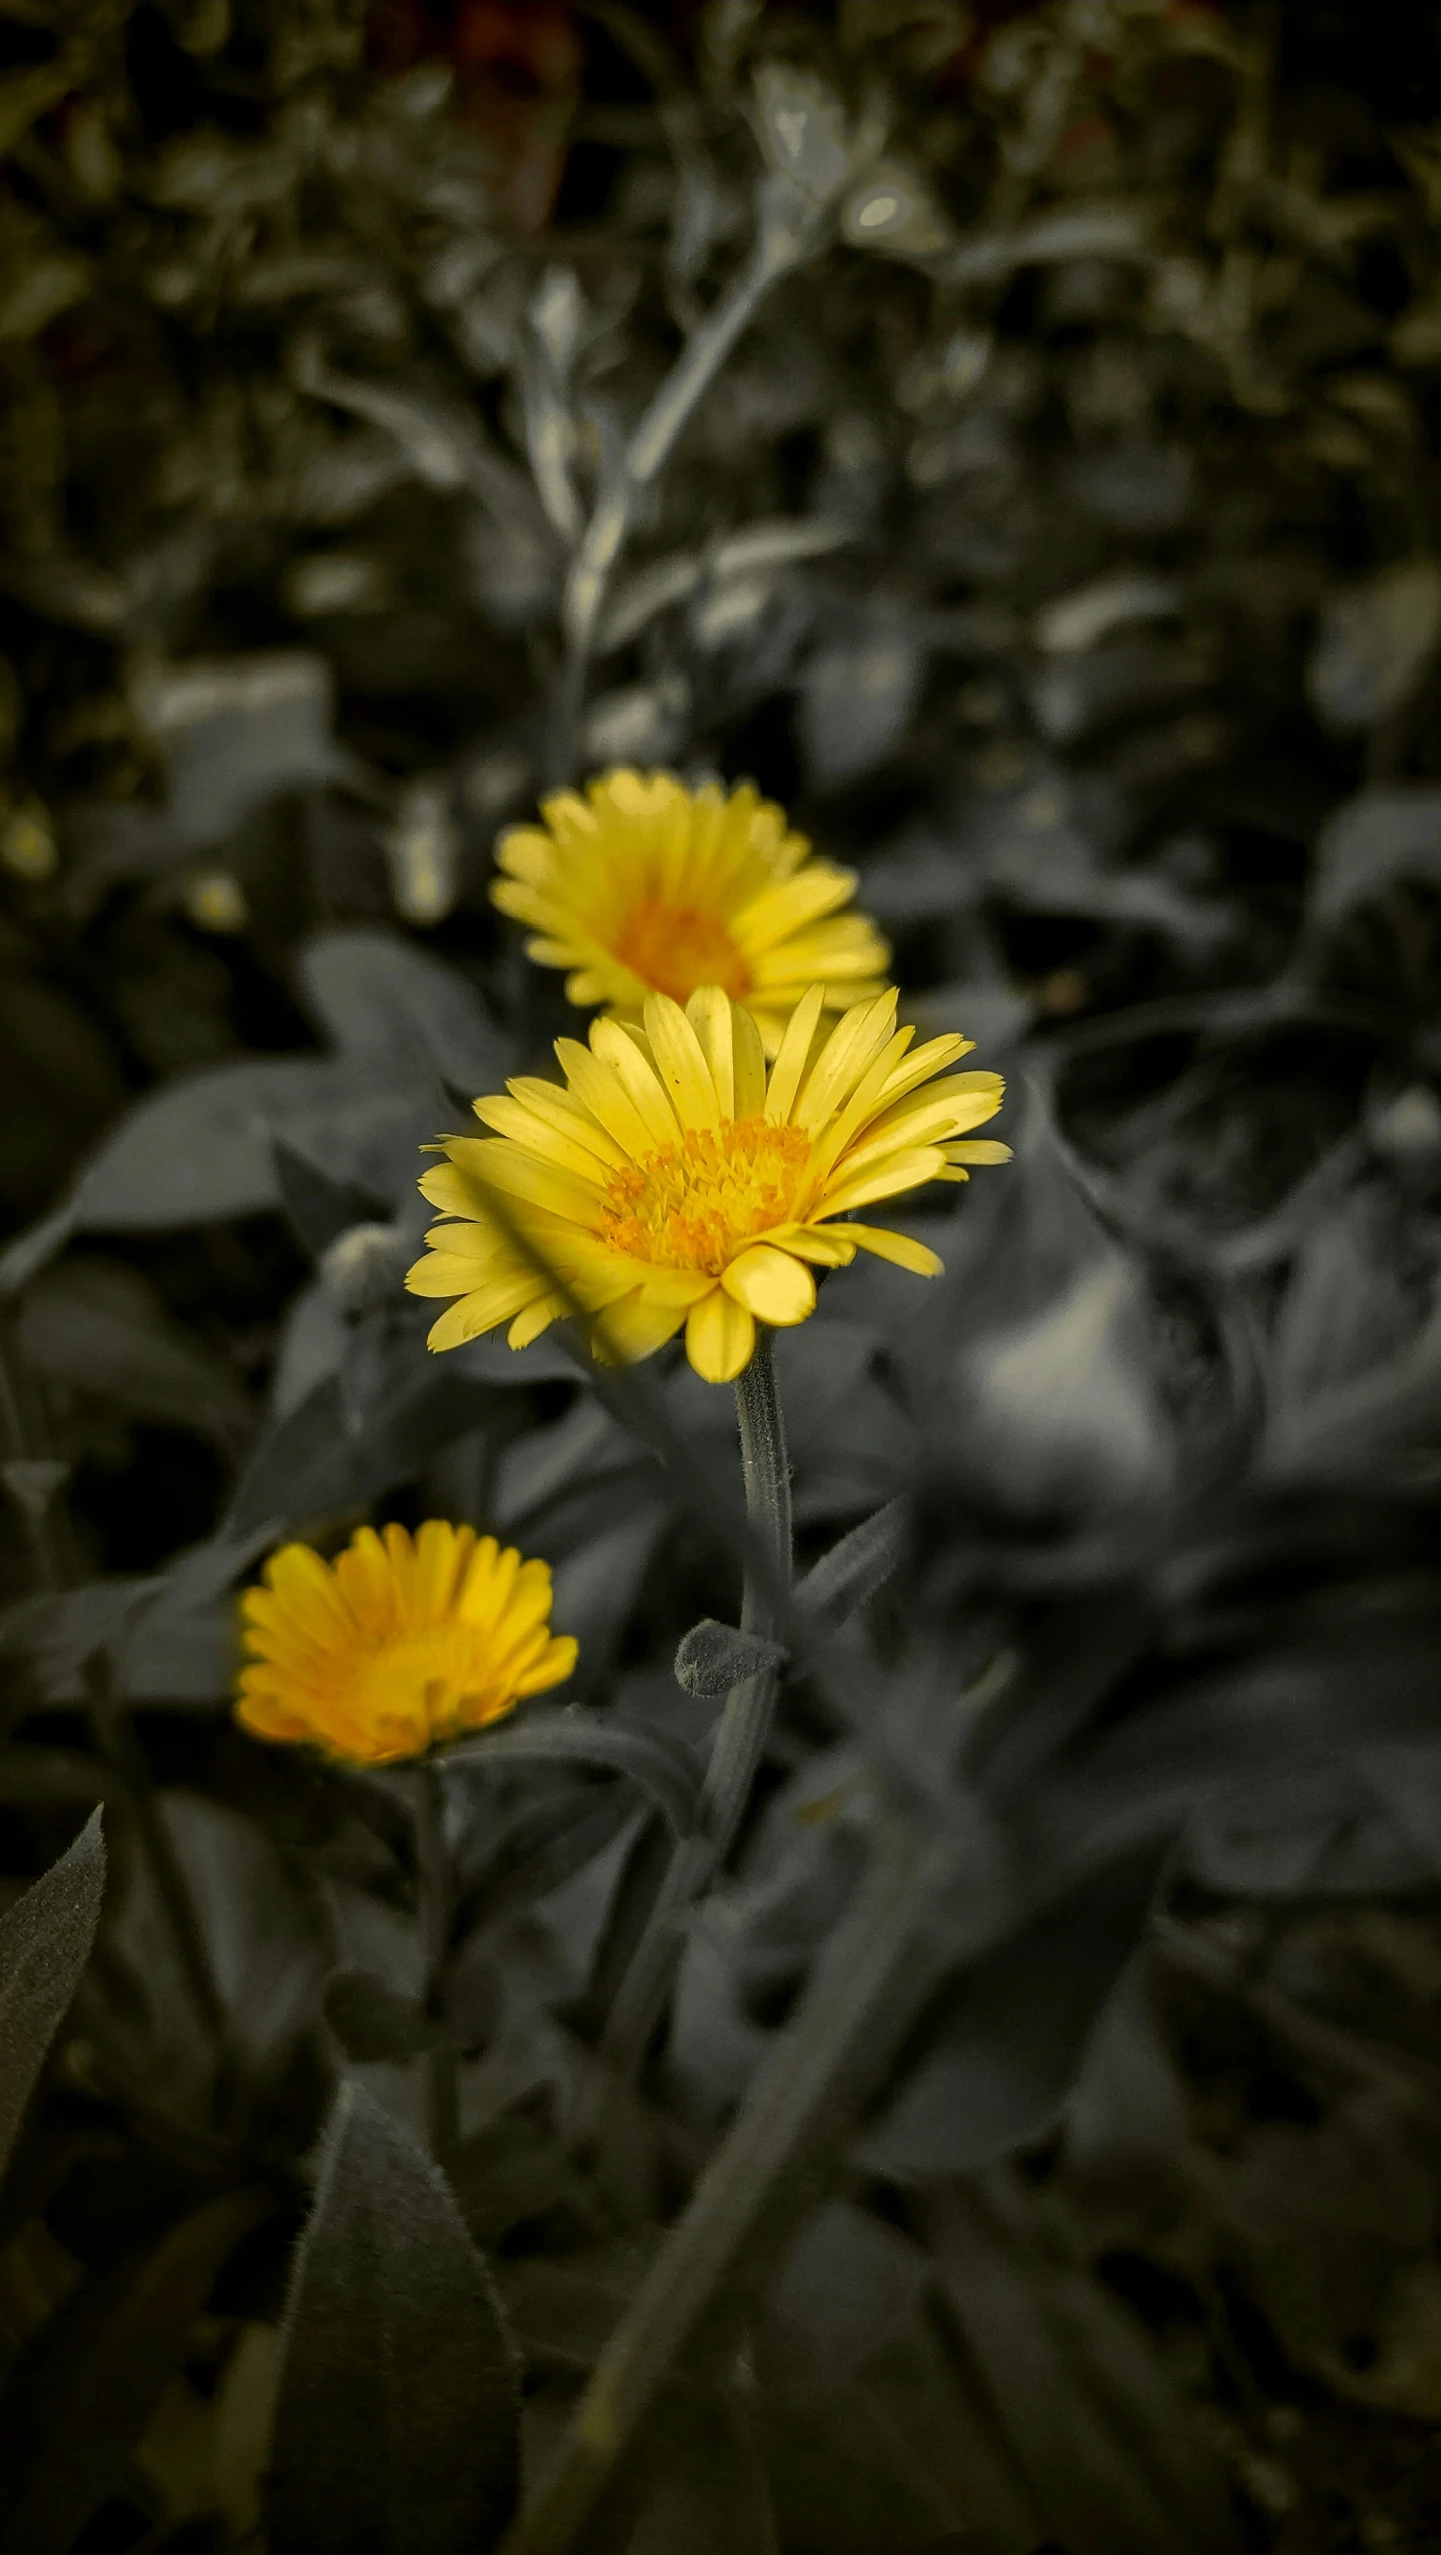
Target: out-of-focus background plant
{"type": "Point", "coordinates": [1007, 436]}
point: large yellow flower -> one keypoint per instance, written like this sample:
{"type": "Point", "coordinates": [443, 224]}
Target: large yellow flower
{"type": "Point", "coordinates": [645, 887]}
{"type": "Point", "coordinates": [401, 1643]}
{"type": "Point", "coordinates": [674, 1180]}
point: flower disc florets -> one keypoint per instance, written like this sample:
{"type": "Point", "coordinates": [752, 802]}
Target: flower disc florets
{"type": "Point", "coordinates": [398, 1644]}
{"type": "Point", "coordinates": [676, 1180]}
{"type": "Point", "coordinates": [643, 886]}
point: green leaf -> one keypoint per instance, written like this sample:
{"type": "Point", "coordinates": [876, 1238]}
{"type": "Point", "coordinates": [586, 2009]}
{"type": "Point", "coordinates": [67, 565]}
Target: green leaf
{"type": "Point", "coordinates": [45, 1943]}
{"type": "Point", "coordinates": [396, 2429]}
{"type": "Point", "coordinates": [86, 2390]}
{"type": "Point", "coordinates": [664, 1768]}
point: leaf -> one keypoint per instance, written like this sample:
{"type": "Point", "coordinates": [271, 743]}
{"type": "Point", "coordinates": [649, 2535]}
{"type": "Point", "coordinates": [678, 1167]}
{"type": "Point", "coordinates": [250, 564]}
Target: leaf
{"type": "Point", "coordinates": [56, 1634]}
{"type": "Point", "coordinates": [857, 695]}
{"type": "Point", "coordinates": [1008, 2040]}
{"type": "Point", "coordinates": [396, 2427]}
{"type": "Point", "coordinates": [1097, 2433]}
{"type": "Point", "coordinates": [704, 2486]}
{"type": "Point", "coordinates": [801, 127]}
{"type": "Point", "coordinates": [45, 1943]}
{"type": "Point", "coordinates": [373, 2022]}
{"type": "Point", "coordinates": [855, 1568]}
{"type": "Point", "coordinates": [663, 1768]}
{"type": "Point", "coordinates": [713, 1657]}
{"type": "Point", "coordinates": [81, 2398]}
{"type": "Point", "coordinates": [325, 1454]}
{"type": "Point", "coordinates": [1370, 842]}
{"type": "Point", "coordinates": [97, 1327]}
{"type": "Point", "coordinates": [1374, 644]}
{"type": "Point", "coordinates": [893, 209]}
{"type": "Point", "coordinates": [319, 1205]}
{"type": "Point", "coordinates": [235, 731]}
{"type": "Point", "coordinates": [380, 1000]}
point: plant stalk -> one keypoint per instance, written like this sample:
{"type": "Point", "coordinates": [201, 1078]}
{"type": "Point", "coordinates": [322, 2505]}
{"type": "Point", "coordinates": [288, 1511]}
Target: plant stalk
{"type": "Point", "coordinates": [866, 1990]}
{"type": "Point", "coordinates": [436, 1905]}
{"type": "Point", "coordinates": [780, 245]}
{"type": "Point", "coordinates": [739, 1742]}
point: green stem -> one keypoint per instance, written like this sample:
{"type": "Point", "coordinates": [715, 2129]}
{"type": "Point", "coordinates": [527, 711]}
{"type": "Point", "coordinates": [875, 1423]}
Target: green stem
{"type": "Point", "coordinates": [436, 1905]}
{"type": "Point", "coordinates": [738, 1747]}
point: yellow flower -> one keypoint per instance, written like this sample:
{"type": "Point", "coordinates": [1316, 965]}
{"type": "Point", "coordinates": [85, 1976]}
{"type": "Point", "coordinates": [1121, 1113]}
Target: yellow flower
{"type": "Point", "coordinates": [644, 887]}
{"type": "Point", "coordinates": [674, 1180]}
{"type": "Point", "coordinates": [402, 1642]}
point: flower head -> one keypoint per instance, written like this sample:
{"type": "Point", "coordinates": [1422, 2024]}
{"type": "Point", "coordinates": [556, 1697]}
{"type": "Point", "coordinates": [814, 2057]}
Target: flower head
{"type": "Point", "coordinates": [400, 1643]}
{"type": "Point", "coordinates": [645, 887]}
{"type": "Point", "coordinates": [677, 1180]}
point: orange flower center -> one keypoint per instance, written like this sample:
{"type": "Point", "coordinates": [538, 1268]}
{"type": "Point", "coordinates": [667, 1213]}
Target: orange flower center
{"type": "Point", "coordinates": [675, 948]}
{"type": "Point", "coordinates": [695, 1204]}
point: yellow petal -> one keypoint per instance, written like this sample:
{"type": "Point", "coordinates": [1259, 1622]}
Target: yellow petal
{"type": "Point", "coordinates": [540, 1135]}
{"type": "Point", "coordinates": [899, 1248]}
{"type": "Point", "coordinates": [981, 1150]}
{"type": "Point", "coordinates": [772, 1285]}
{"type": "Point", "coordinates": [556, 1663]}
{"type": "Point", "coordinates": [749, 1063]}
{"type": "Point", "coordinates": [710, 1013]}
{"type": "Point", "coordinates": [909, 1170]}
{"type": "Point", "coordinates": [720, 1338]}
{"type": "Point", "coordinates": [636, 1327]}
{"type": "Point", "coordinates": [641, 1085]}
{"type": "Point", "coordinates": [852, 1046]}
{"type": "Point", "coordinates": [779, 912]}
{"type": "Point", "coordinates": [790, 1063]}
{"type": "Point", "coordinates": [599, 1089]}
{"type": "Point", "coordinates": [680, 1062]}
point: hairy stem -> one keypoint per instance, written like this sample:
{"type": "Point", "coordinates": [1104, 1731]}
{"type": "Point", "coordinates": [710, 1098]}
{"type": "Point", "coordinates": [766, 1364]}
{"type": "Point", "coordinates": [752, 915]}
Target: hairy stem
{"type": "Point", "coordinates": [740, 1737]}
{"type": "Point", "coordinates": [865, 1992]}
{"type": "Point", "coordinates": [780, 245]}
{"type": "Point", "coordinates": [436, 1903]}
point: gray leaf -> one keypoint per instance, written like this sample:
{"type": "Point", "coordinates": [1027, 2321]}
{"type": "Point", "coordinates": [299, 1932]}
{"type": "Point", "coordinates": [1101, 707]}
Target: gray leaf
{"type": "Point", "coordinates": [1374, 644]}
{"type": "Point", "coordinates": [396, 2426]}
{"type": "Point", "coordinates": [713, 1657]}
{"type": "Point", "coordinates": [1370, 842]}
{"type": "Point", "coordinates": [45, 1943]}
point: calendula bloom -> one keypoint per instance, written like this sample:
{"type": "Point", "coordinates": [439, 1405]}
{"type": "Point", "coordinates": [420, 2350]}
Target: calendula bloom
{"type": "Point", "coordinates": [400, 1643]}
{"type": "Point", "coordinates": [676, 1180]}
{"type": "Point", "coordinates": [645, 887]}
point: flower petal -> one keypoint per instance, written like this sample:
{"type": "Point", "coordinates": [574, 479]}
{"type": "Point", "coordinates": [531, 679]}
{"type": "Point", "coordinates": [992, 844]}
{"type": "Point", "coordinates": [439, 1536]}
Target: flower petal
{"type": "Point", "coordinates": [772, 1285]}
{"type": "Point", "coordinates": [794, 1055]}
{"type": "Point", "coordinates": [899, 1248]}
{"type": "Point", "coordinates": [720, 1338]}
{"type": "Point", "coordinates": [680, 1062]}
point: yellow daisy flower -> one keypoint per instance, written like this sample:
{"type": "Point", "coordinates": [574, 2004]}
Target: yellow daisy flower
{"type": "Point", "coordinates": [675, 1180]}
{"type": "Point", "coordinates": [400, 1643]}
{"type": "Point", "coordinates": [645, 887]}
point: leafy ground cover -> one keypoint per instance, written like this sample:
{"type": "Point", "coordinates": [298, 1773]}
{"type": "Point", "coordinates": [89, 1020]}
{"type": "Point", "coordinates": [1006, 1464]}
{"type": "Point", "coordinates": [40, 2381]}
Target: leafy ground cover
{"type": "Point", "coordinates": [1008, 2120]}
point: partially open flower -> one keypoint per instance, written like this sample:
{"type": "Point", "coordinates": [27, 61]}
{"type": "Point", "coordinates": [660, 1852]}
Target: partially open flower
{"type": "Point", "coordinates": [675, 1180]}
{"type": "Point", "coordinates": [399, 1644]}
{"type": "Point", "coordinates": [645, 887]}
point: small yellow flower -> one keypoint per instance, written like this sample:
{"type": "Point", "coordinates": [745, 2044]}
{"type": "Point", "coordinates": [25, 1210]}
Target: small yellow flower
{"type": "Point", "coordinates": [645, 887]}
{"type": "Point", "coordinates": [675, 1180]}
{"type": "Point", "coordinates": [400, 1643]}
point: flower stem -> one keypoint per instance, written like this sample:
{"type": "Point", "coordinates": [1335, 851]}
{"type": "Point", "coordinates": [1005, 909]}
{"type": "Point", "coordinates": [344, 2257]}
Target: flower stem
{"type": "Point", "coordinates": [739, 1742]}
{"type": "Point", "coordinates": [778, 247]}
{"type": "Point", "coordinates": [862, 1998]}
{"type": "Point", "coordinates": [436, 1904]}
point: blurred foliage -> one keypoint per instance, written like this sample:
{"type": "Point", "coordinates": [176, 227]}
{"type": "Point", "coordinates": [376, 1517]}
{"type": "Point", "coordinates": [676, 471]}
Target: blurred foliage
{"type": "Point", "coordinates": [1009, 436]}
